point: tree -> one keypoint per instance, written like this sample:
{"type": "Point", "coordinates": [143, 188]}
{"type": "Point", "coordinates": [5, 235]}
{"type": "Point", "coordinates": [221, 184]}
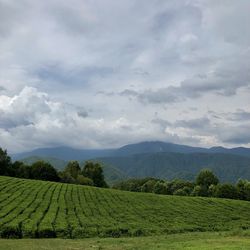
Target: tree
{"type": "Point", "coordinates": [66, 177]}
{"type": "Point", "coordinates": [206, 178]}
{"type": "Point", "coordinates": [177, 184]}
{"type": "Point", "coordinates": [148, 186]}
{"type": "Point", "coordinates": [226, 190]}
{"type": "Point", "coordinates": [41, 170]}
{"type": "Point", "coordinates": [199, 191]}
{"type": "Point", "coordinates": [186, 191]}
{"type": "Point", "coordinates": [5, 162]}
{"type": "Point", "coordinates": [94, 171]}
{"type": "Point", "coordinates": [212, 190]}
{"type": "Point", "coordinates": [21, 170]}
{"type": "Point", "coordinates": [73, 168]}
{"type": "Point", "coordinates": [160, 187]}
{"type": "Point", "coordinates": [243, 189]}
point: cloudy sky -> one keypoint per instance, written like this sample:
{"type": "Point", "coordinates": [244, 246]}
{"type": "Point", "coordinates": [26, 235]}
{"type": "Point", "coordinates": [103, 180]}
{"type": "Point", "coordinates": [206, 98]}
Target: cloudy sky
{"type": "Point", "coordinates": [104, 73]}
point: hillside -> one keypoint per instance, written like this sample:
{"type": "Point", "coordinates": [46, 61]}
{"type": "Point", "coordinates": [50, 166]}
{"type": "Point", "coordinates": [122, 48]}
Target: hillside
{"type": "Point", "coordinates": [229, 168]}
{"type": "Point", "coordinates": [32, 208]}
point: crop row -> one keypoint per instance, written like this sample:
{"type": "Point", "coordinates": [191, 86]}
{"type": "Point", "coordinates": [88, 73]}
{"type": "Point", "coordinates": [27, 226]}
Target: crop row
{"type": "Point", "coordinates": [30, 208]}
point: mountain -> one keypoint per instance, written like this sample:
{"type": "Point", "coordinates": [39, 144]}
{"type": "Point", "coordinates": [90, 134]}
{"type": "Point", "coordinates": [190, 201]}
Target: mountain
{"type": "Point", "coordinates": [67, 153]}
{"type": "Point", "coordinates": [159, 146]}
{"type": "Point", "coordinates": [168, 165]}
{"type": "Point", "coordinates": [152, 158]}
{"type": "Point", "coordinates": [155, 147]}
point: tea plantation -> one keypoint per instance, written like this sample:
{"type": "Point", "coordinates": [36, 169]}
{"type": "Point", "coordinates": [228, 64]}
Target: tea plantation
{"type": "Point", "coordinates": [36, 209]}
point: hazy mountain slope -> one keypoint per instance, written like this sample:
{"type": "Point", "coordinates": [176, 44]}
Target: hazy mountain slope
{"type": "Point", "coordinates": [57, 163]}
{"type": "Point", "coordinates": [175, 165]}
{"type": "Point", "coordinates": [67, 153]}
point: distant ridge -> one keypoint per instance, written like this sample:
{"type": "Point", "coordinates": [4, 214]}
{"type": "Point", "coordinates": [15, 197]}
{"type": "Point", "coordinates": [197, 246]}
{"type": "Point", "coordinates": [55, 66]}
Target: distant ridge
{"type": "Point", "coordinates": [68, 153]}
{"type": "Point", "coordinates": [152, 159]}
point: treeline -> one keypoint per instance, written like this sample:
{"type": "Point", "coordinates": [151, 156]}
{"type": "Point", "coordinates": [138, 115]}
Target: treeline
{"type": "Point", "coordinates": [90, 174]}
{"type": "Point", "coordinates": [206, 185]}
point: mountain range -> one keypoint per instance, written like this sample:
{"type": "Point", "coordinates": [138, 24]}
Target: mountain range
{"type": "Point", "coordinates": [152, 158]}
{"type": "Point", "coordinates": [67, 153]}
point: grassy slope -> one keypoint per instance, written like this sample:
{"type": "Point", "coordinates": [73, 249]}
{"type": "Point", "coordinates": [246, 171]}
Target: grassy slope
{"type": "Point", "coordinates": [191, 241]}
{"type": "Point", "coordinates": [64, 210]}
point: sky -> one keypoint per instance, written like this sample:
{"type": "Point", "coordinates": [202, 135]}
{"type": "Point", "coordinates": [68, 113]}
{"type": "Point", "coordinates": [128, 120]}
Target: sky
{"type": "Point", "coordinates": [102, 74]}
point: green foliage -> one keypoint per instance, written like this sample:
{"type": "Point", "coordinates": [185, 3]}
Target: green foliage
{"type": "Point", "coordinates": [185, 191]}
{"type": "Point", "coordinates": [41, 170]}
{"type": "Point", "coordinates": [66, 177]}
{"type": "Point", "coordinates": [243, 189]}
{"type": "Point", "coordinates": [94, 172]}
{"type": "Point", "coordinates": [148, 187]}
{"type": "Point", "coordinates": [134, 185]}
{"type": "Point", "coordinates": [161, 187]}
{"type": "Point", "coordinates": [178, 184]}
{"type": "Point", "coordinates": [226, 190]}
{"type": "Point", "coordinates": [5, 162]}
{"type": "Point", "coordinates": [73, 169]}
{"type": "Point", "coordinates": [33, 208]}
{"type": "Point", "coordinates": [82, 180]}
{"type": "Point", "coordinates": [212, 190]}
{"type": "Point", "coordinates": [206, 178]}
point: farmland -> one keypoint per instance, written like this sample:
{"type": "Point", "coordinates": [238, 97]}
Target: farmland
{"type": "Point", "coordinates": [31, 208]}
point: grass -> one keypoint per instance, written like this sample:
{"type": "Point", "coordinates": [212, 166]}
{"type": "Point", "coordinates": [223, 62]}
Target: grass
{"type": "Point", "coordinates": [39, 209]}
{"type": "Point", "coordinates": [191, 241]}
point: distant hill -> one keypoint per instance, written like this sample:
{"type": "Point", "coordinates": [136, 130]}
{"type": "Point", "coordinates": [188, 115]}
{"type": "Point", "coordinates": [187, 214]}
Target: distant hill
{"type": "Point", "coordinates": [67, 153]}
{"type": "Point", "coordinates": [159, 146]}
{"type": "Point", "coordinates": [152, 158]}
{"type": "Point", "coordinates": [229, 168]}
{"type": "Point", "coordinates": [57, 163]}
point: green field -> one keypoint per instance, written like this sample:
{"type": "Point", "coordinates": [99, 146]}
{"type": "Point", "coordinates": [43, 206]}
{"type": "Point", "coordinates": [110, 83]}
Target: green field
{"type": "Point", "coordinates": [31, 208]}
{"type": "Point", "coordinates": [190, 241]}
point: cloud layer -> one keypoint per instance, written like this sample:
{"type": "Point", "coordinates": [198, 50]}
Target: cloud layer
{"type": "Point", "coordinates": [98, 74]}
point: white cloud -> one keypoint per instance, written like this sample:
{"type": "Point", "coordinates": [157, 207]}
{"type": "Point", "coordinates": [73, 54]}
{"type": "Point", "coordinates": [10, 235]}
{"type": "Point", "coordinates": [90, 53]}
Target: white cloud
{"type": "Point", "coordinates": [159, 56]}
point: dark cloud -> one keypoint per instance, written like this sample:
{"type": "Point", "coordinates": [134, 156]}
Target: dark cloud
{"type": "Point", "coordinates": [199, 123]}
{"type": "Point", "coordinates": [162, 123]}
{"type": "Point", "coordinates": [239, 115]}
{"type": "Point", "coordinates": [83, 113]}
{"type": "Point", "coordinates": [162, 95]}
{"type": "Point", "coordinates": [2, 88]}
{"type": "Point", "coordinates": [235, 135]}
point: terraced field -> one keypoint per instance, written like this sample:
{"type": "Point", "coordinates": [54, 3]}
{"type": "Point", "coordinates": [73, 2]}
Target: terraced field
{"type": "Point", "coordinates": [30, 208]}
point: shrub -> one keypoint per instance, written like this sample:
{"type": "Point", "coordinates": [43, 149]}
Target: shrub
{"type": "Point", "coordinates": [82, 180]}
